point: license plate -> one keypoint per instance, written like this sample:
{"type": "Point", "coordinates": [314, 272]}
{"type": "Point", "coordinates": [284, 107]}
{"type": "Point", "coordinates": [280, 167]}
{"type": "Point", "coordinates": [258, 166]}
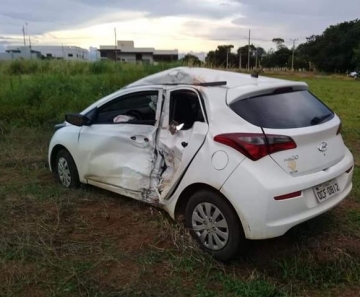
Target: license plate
{"type": "Point", "coordinates": [326, 190]}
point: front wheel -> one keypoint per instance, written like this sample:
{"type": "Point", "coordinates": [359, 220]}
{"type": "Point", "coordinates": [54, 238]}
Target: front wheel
{"type": "Point", "coordinates": [66, 170]}
{"type": "Point", "coordinates": [214, 224]}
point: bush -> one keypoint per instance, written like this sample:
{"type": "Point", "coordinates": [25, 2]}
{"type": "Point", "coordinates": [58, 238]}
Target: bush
{"type": "Point", "coordinates": [35, 93]}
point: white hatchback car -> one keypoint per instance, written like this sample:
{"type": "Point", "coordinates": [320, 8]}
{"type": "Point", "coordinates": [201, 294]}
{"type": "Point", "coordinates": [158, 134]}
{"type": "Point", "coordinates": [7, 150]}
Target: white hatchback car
{"type": "Point", "coordinates": [354, 74]}
{"type": "Point", "coordinates": [236, 155]}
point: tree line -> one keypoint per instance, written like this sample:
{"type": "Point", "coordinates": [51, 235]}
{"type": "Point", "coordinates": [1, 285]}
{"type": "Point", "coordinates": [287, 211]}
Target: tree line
{"type": "Point", "coordinates": [337, 49]}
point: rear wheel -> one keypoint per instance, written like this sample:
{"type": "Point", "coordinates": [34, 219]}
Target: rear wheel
{"type": "Point", "coordinates": [214, 224]}
{"type": "Point", "coordinates": [66, 170]}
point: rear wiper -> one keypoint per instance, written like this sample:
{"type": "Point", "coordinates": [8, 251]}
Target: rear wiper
{"type": "Point", "coordinates": [318, 120]}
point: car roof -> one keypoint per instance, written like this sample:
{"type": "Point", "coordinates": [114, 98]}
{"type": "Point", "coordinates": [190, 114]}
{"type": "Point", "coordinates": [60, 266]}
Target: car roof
{"type": "Point", "coordinates": [197, 76]}
{"type": "Point", "coordinates": [237, 84]}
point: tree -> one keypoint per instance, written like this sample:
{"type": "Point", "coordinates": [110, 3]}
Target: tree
{"type": "Point", "coordinates": [222, 56]}
{"type": "Point", "coordinates": [335, 50]}
{"type": "Point", "coordinates": [279, 42]}
{"type": "Point", "coordinates": [260, 52]}
{"type": "Point", "coordinates": [356, 58]}
{"type": "Point", "coordinates": [191, 60]}
{"type": "Point", "coordinates": [243, 51]}
{"type": "Point", "coordinates": [278, 58]}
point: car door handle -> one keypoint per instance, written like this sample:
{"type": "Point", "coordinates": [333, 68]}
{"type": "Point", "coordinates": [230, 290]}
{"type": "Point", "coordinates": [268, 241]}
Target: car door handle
{"type": "Point", "coordinates": [184, 144]}
{"type": "Point", "coordinates": [133, 137]}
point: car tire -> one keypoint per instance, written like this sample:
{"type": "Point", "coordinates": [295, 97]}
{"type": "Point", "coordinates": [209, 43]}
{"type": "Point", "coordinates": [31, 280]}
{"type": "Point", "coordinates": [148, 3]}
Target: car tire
{"type": "Point", "coordinates": [214, 224]}
{"type": "Point", "coordinates": [66, 170]}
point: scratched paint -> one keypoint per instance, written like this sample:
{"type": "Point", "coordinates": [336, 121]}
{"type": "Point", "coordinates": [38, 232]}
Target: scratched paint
{"type": "Point", "coordinates": [143, 161]}
{"type": "Point", "coordinates": [122, 156]}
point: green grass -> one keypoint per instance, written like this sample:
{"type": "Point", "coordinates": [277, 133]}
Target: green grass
{"type": "Point", "coordinates": [35, 93]}
{"type": "Point", "coordinates": [89, 242]}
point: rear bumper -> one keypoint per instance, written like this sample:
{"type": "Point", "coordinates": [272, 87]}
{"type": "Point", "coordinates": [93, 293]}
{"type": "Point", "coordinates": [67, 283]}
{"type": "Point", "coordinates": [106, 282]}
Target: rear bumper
{"type": "Point", "coordinates": [253, 185]}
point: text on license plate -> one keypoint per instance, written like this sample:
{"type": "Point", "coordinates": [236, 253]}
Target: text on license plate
{"type": "Point", "coordinates": [326, 190]}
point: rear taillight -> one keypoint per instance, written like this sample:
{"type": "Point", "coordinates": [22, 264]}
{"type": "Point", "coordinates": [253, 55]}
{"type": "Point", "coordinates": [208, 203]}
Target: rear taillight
{"type": "Point", "coordinates": [339, 129]}
{"type": "Point", "coordinates": [256, 146]}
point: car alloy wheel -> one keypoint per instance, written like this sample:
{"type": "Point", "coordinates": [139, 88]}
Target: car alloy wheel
{"type": "Point", "coordinates": [64, 172]}
{"type": "Point", "coordinates": [214, 224]}
{"type": "Point", "coordinates": [210, 226]}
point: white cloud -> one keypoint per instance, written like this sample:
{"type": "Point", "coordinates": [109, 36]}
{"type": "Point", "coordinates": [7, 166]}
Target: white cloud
{"type": "Point", "coordinates": [184, 24]}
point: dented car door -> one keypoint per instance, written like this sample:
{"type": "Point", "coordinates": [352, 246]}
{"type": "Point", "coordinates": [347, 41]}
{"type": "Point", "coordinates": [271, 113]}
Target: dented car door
{"type": "Point", "coordinates": [177, 148]}
{"type": "Point", "coordinates": [120, 145]}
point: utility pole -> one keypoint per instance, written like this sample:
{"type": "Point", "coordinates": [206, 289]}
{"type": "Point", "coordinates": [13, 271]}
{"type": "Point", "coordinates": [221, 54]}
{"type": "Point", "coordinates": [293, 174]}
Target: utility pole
{"type": "Point", "coordinates": [63, 52]}
{"type": "Point", "coordinates": [27, 30]}
{"type": "Point", "coordinates": [115, 45]}
{"type": "Point", "coordinates": [240, 59]}
{"type": "Point", "coordinates": [249, 52]}
{"type": "Point", "coordinates": [256, 58]}
{"type": "Point", "coordinates": [29, 41]}
{"type": "Point", "coordinates": [227, 58]}
{"type": "Point", "coordinates": [293, 53]}
{"type": "Point", "coordinates": [23, 29]}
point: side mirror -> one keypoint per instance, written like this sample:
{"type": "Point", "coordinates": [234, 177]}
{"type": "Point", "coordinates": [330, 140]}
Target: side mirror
{"type": "Point", "coordinates": [77, 119]}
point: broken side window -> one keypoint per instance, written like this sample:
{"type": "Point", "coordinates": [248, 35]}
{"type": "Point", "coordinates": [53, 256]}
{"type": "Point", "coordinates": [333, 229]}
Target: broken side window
{"type": "Point", "coordinates": [136, 108]}
{"type": "Point", "coordinates": [185, 108]}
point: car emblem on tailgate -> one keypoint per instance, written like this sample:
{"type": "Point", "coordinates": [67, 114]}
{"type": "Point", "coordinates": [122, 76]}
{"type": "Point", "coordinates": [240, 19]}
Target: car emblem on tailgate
{"type": "Point", "coordinates": [292, 165]}
{"type": "Point", "coordinates": [322, 147]}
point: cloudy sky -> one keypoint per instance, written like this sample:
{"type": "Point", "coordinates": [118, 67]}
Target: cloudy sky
{"type": "Point", "coordinates": [188, 25]}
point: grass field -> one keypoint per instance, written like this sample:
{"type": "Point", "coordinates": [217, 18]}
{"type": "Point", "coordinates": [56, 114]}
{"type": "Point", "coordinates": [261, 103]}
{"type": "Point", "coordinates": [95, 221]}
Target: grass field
{"type": "Point", "coordinates": [89, 242]}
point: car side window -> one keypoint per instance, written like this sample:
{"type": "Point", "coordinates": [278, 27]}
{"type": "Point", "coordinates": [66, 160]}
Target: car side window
{"type": "Point", "coordinates": [135, 108]}
{"type": "Point", "coordinates": [185, 108]}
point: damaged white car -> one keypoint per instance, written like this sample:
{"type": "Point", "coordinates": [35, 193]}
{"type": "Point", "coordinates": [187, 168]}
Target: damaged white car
{"type": "Point", "coordinates": [238, 156]}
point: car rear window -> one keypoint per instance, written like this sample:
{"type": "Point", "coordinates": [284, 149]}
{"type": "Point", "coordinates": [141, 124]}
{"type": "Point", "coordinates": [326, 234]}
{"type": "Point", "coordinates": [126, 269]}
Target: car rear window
{"type": "Point", "coordinates": [294, 109]}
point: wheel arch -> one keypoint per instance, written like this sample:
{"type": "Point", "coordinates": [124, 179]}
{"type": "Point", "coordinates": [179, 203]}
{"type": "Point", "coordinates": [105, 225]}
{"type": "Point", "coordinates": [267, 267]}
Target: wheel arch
{"type": "Point", "coordinates": [56, 149]}
{"type": "Point", "coordinates": [193, 188]}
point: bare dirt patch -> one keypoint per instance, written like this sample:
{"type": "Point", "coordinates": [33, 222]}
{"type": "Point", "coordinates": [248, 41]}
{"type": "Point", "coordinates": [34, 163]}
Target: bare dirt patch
{"type": "Point", "coordinates": [129, 223]}
{"type": "Point", "coordinates": [118, 274]}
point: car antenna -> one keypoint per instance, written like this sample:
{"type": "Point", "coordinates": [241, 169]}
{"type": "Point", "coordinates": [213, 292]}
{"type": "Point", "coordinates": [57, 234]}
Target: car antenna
{"type": "Point", "coordinates": [256, 72]}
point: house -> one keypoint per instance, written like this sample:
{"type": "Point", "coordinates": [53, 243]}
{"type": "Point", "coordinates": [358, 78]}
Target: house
{"type": "Point", "coordinates": [22, 52]}
{"type": "Point", "coordinates": [58, 52]}
{"type": "Point", "coordinates": [125, 51]}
